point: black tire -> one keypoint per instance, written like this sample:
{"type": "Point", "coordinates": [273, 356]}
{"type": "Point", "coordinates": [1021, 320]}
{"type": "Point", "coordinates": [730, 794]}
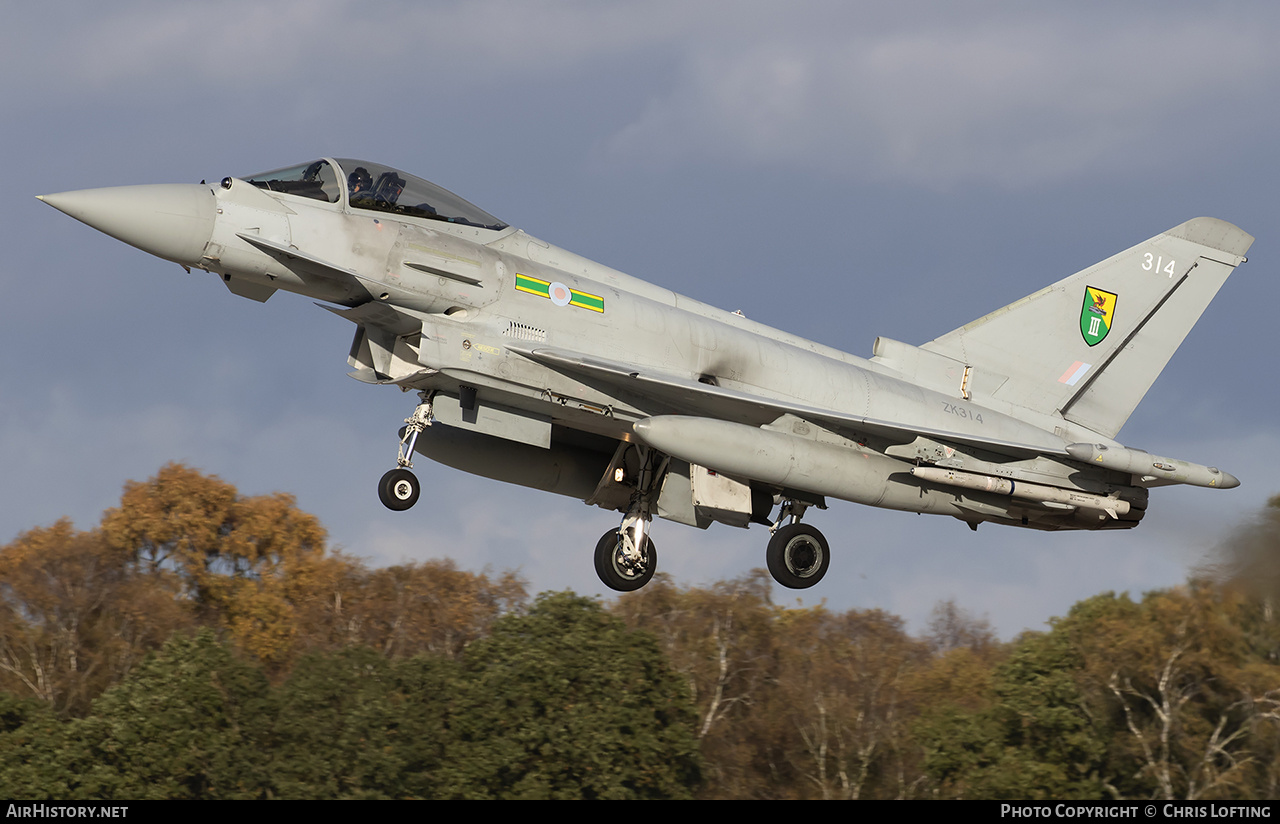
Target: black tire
{"type": "Point", "coordinates": [614, 572]}
{"type": "Point", "coordinates": [398, 490]}
{"type": "Point", "coordinates": [798, 556]}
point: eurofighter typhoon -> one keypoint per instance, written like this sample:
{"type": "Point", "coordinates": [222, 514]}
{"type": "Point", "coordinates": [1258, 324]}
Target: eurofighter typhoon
{"type": "Point", "coordinates": [538, 367]}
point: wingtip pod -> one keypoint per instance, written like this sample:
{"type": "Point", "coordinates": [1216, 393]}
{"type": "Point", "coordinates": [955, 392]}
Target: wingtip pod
{"type": "Point", "coordinates": [1215, 234]}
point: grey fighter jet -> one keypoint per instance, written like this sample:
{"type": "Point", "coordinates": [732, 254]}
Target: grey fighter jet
{"type": "Point", "coordinates": [538, 367]}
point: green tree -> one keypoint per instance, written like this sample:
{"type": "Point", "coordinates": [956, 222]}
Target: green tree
{"type": "Point", "coordinates": [32, 738]}
{"type": "Point", "coordinates": [425, 686]}
{"type": "Point", "coordinates": [1171, 697]}
{"type": "Point", "coordinates": [191, 722]}
{"type": "Point", "coordinates": [566, 702]}
{"type": "Point", "coordinates": [336, 727]}
{"type": "Point", "coordinates": [1028, 733]}
{"type": "Point", "coordinates": [352, 724]}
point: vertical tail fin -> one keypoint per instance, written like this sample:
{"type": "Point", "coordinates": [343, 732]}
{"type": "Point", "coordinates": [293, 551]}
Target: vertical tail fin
{"type": "Point", "coordinates": [1090, 346]}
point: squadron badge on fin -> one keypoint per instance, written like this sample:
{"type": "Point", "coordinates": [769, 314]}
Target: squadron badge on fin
{"type": "Point", "coordinates": [1096, 314]}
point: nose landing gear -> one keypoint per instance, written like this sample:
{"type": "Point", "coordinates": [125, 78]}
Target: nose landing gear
{"type": "Point", "coordinates": [399, 489]}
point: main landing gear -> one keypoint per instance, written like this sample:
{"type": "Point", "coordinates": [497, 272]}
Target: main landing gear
{"type": "Point", "coordinates": [626, 557]}
{"type": "Point", "coordinates": [399, 489]}
{"type": "Point", "coordinates": [798, 554]}
{"type": "Point", "coordinates": [624, 561]}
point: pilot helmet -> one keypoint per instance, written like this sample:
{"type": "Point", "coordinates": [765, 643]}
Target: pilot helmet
{"type": "Point", "coordinates": [359, 180]}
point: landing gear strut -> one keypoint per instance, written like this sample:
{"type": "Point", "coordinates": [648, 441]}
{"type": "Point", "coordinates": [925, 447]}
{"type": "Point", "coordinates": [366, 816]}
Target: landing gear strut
{"type": "Point", "coordinates": [798, 554]}
{"type": "Point", "coordinates": [399, 489]}
{"type": "Point", "coordinates": [626, 557]}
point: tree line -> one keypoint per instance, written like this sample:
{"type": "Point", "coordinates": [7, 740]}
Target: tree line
{"type": "Point", "coordinates": [202, 644]}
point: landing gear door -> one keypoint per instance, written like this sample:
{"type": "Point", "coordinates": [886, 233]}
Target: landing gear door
{"type": "Point", "coordinates": [720, 498]}
{"type": "Point", "coordinates": [696, 496]}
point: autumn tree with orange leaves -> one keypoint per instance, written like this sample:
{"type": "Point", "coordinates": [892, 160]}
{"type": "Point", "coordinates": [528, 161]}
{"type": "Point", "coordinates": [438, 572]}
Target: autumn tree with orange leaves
{"type": "Point", "coordinates": [79, 610]}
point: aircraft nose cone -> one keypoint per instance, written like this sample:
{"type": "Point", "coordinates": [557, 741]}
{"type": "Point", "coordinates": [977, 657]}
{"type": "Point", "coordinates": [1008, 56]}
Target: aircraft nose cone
{"type": "Point", "coordinates": [173, 220]}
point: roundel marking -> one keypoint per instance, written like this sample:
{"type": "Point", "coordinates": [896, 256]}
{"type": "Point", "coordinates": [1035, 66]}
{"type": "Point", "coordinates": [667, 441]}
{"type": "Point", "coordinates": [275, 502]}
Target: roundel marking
{"type": "Point", "coordinates": [559, 294]}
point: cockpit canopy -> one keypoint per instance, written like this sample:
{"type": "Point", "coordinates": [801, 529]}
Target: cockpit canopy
{"type": "Point", "coordinates": [374, 187]}
{"type": "Point", "coordinates": [317, 180]}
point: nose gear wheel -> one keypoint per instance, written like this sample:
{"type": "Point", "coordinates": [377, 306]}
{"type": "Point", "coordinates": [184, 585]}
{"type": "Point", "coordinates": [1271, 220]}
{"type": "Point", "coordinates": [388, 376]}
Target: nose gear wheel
{"type": "Point", "coordinates": [399, 489]}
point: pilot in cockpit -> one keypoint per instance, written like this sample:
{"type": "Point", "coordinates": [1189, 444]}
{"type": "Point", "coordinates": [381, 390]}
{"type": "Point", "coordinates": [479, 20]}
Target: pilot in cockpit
{"type": "Point", "coordinates": [359, 181]}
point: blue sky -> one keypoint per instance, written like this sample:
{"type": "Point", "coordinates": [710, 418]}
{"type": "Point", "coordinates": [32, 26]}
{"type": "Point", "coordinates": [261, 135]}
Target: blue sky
{"type": "Point", "coordinates": [839, 170]}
